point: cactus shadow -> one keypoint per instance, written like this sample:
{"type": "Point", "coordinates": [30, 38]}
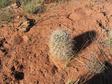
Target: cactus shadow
{"type": "Point", "coordinates": [83, 40]}
{"type": "Point", "coordinates": [102, 78]}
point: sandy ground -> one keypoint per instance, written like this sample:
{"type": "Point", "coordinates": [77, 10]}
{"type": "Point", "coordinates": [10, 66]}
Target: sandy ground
{"type": "Point", "coordinates": [24, 57]}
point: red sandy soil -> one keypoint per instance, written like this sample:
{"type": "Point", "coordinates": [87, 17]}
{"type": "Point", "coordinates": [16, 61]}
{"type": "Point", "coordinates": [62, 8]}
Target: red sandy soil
{"type": "Point", "coordinates": [29, 52]}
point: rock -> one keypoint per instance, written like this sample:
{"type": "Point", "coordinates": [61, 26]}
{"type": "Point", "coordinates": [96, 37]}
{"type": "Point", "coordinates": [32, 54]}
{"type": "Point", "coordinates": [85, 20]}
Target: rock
{"type": "Point", "coordinates": [39, 9]}
{"type": "Point", "coordinates": [26, 24]}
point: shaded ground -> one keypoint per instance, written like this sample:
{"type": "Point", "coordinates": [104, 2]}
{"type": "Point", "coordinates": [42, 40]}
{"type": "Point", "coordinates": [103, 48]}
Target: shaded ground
{"type": "Point", "coordinates": [24, 57]}
{"type": "Point", "coordinates": [102, 78]}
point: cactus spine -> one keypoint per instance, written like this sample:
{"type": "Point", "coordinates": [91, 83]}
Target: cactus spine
{"type": "Point", "coordinates": [61, 45]}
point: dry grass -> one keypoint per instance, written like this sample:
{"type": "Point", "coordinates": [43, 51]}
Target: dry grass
{"type": "Point", "coordinates": [29, 6]}
{"type": "Point", "coordinates": [94, 65]}
{"type": "Point", "coordinates": [4, 3]}
{"type": "Point", "coordinates": [5, 16]}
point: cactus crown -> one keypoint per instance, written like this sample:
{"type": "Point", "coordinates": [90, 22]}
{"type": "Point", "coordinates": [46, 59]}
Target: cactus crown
{"type": "Point", "coordinates": [61, 45]}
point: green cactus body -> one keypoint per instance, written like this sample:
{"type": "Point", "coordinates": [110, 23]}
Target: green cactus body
{"type": "Point", "coordinates": [61, 45]}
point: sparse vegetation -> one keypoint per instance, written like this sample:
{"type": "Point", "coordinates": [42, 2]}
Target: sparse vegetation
{"type": "Point", "coordinates": [90, 33]}
{"type": "Point", "coordinates": [4, 3]}
{"type": "Point", "coordinates": [6, 16]}
{"type": "Point", "coordinates": [94, 65]}
{"type": "Point", "coordinates": [73, 82]}
{"type": "Point", "coordinates": [108, 41]}
{"type": "Point", "coordinates": [29, 6]}
{"type": "Point", "coordinates": [61, 0]}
